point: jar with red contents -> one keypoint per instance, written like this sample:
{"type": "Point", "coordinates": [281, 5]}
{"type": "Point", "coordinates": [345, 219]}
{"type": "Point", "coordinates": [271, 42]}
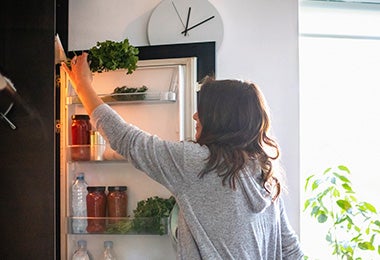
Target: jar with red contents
{"type": "Point", "coordinates": [96, 200]}
{"type": "Point", "coordinates": [117, 201]}
{"type": "Point", "coordinates": [80, 137]}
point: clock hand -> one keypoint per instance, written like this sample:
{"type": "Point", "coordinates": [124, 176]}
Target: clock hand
{"type": "Point", "coordinates": [187, 21]}
{"type": "Point", "coordinates": [175, 8]}
{"type": "Point", "coordinates": [192, 27]}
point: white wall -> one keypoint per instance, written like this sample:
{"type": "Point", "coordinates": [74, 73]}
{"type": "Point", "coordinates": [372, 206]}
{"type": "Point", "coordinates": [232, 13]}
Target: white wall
{"type": "Point", "coordinates": [260, 44]}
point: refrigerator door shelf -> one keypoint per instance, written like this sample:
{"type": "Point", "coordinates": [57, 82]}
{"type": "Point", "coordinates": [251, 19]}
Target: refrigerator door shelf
{"type": "Point", "coordinates": [126, 226]}
{"type": "Point", "coordinates": [162, 97]}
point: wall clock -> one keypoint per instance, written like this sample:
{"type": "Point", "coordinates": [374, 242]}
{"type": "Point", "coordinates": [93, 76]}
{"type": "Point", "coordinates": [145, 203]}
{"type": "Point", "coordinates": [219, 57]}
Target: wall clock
{"type": "Point", "coordinates": [185, 21]}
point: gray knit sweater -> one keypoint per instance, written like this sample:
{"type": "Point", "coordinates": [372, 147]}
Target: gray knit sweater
{"type": "Point", "coordinates": [215, 222]}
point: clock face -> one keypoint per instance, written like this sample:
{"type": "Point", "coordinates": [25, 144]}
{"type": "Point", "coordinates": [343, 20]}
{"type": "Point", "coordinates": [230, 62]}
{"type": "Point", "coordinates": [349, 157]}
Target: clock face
{"type": "Point", "coordinates": [184, 21]}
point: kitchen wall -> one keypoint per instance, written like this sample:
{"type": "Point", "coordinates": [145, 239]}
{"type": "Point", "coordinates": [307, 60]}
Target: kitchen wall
{"type": "Point", "coordinates": [260, 44]}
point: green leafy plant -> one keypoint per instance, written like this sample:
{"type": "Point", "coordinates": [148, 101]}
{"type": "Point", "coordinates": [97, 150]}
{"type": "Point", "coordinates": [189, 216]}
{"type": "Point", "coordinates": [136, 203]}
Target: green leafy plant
{"type": "Point", "coordinates": [150, 217]}
{"type": "Point", "coordinates": [353, 225]}
{"type": "Point", "coordinates": [110, 55]}
{"type": "Point", "coordinates": [134, 93]}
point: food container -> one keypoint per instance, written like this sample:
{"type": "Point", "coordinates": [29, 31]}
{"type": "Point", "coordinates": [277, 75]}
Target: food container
{"type": "Point", "coordinates": [96, 201]}
{"type": "Point", "coordinates": [117, 201]}
{"type": "Point", "coordinates": [80, 137]}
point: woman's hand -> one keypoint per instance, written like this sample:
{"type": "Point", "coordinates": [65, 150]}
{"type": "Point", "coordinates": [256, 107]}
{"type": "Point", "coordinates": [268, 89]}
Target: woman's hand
{"type": "Point", "coordinates": [80, 73]}
{"type": "Point", "coordinates": [81, 79]}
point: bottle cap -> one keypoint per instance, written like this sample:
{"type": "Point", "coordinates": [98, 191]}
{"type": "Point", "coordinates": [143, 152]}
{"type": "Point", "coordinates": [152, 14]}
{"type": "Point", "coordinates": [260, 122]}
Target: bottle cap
{"type": "Point", "coordinates": [108, 243]}
{"type": "Point", "coordinates": [82, 242]}
{"type": "Point", "coordinates": [80, 117]}
{"type": "Point", "coordinates": [96, 188]}
{"type": "Point", "coordinates": [117, 188]}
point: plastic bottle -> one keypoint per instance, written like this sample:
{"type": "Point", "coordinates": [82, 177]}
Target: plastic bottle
{"type": "Point", "coordinates": [82, 253]}
{"type": "Point", "coordinates": [78, 204]}
{"type": "Point", "coordinates": [109, 253]}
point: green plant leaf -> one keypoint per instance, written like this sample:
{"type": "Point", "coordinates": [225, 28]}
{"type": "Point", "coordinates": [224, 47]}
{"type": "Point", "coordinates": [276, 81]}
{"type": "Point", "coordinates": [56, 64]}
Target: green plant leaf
{"type": "Point", "coordinates": [367, 206]}
{"type": "Point", "coordinates": [377, 223]}
{"type": "Point", "coordinates": [308, 181]}
{"type": "Point", "coordinates": [344, 204]}
{"type": "Point", "coordinates": [308, 203]}
{"type": "Point", "coordinates": [347, 187]}
{"type": "Point", "coordinates": [333, 180]}
{"type": "Point", "coordinates": [315, 210]}
{"type": "Point", "coordinates": [315, 184]}
{"type": "Point", "coordinates": [343, 168]}
{"type": "Point", "coordinates": [336, 193]}
{"type": "Point", "coordinates": [342, 178]}
{"type": "Point", "coordinates": [366, 246]}
{"type": "Point", "coordinates": [341, 219]}
{"type": "Point", "coordinates": [322, 218]}
{"type": "Point", "coordinates": [327, 170]}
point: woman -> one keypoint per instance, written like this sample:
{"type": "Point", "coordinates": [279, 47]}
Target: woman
{"type": "Point", "coordinates": [224, 182]}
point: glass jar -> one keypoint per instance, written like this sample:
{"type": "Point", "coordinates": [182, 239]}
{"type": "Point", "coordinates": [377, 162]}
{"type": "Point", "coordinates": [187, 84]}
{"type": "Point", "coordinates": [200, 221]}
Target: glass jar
{"type": "Point", "coordinates": [80, 137]}
{"type": "Point", "coordinates": [96, 201]}
{"type": "Point", "coordinates": [117, 201]}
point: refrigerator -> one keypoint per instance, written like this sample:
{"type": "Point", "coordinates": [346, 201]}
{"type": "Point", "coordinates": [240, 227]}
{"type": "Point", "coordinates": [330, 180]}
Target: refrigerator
{"type": "Point", "coordinates": [165, 110]}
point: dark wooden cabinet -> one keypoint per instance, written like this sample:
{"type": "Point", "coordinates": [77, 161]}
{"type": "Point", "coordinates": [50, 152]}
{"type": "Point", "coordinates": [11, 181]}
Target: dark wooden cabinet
{"type": "Point", "coordinates": [27, 154]}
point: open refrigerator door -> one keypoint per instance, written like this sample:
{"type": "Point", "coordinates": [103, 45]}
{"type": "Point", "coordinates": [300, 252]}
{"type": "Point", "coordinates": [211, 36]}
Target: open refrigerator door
{"type": "Point", "coordinates": [160, 98]}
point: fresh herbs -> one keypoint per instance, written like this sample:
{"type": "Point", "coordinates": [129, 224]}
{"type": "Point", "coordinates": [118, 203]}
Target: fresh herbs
{"type": "Point", "coordinates": [111, 55]}
{"type": "Point", "coordinates": [149, 214]}
{"type": "Point", "coordinates": [131, 93]}
{"type": "Point", "coordinates": [150, 217]}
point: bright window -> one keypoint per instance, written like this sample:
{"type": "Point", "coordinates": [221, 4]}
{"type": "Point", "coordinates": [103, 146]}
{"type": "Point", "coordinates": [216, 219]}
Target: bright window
{"type": "Point", "coordinates": [339, 101]}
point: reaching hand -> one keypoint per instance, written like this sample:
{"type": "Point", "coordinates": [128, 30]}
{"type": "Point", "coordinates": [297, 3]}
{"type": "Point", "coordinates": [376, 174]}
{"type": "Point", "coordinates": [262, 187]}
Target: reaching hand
{"type": "Point", "coordinates": [80, 71]}
{"type": "Point", "coordinates": [81, 79]}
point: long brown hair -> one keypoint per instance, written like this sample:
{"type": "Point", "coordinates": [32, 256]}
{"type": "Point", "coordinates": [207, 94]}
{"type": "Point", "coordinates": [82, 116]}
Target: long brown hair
{"type": "Point", "coordinates": [235, 125]}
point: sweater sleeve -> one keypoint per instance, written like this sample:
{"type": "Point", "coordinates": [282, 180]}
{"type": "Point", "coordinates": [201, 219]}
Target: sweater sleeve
{"type": "Point", "coordinates": [163, 161]}
{"type": "Point", "coordinates": [291, 249]}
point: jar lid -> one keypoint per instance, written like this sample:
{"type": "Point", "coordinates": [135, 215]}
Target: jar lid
{"type": "Point", "coordinates": [96, 188]}
{"type": "Point", "coordinates": [117, 188]}
{"type": "Point", "coordinates": [80, 117]}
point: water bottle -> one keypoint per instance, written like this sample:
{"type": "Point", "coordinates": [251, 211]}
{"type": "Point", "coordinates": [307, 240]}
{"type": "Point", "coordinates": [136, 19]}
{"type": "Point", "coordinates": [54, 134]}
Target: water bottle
{"type": "Point", "coordinates": [109, 254]}
{"type": "Point", "coordinates": [82, 253]}
{"type": "Point", "coordinates": [78, 204]}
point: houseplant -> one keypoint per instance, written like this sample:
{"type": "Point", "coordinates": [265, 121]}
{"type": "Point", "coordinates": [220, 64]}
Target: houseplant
{"type": "Point", "coordinates": [353, 225]}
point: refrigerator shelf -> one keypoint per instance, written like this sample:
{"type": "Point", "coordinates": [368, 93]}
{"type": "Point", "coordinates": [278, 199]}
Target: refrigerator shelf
{"type": "Point", "coordinates": [143, 97]}
{"type": "Point", "coordinates": [92, 153]}
{"type": "Point", "coordinates": [122, 226]}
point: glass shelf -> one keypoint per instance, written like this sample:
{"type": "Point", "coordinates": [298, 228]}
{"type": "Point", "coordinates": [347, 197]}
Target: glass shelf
{"type": "Point", "coordinates": [122, 226]}
{"type": "Point", "coordinates": [92, 153]}
{"type": "Point", "coordinates": [143, 97]}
